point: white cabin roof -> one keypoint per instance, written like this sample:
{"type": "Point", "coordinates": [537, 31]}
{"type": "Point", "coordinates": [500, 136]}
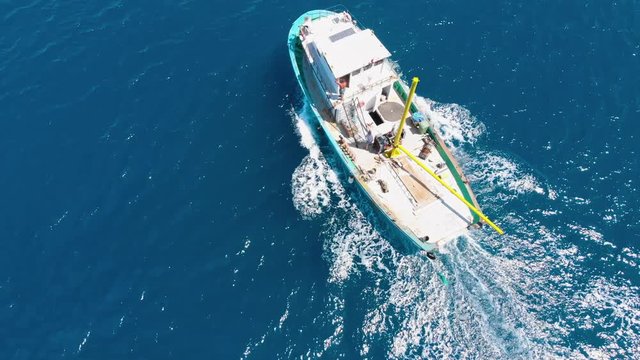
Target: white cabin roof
{"type": "Point", "coordinates": [347, 50]}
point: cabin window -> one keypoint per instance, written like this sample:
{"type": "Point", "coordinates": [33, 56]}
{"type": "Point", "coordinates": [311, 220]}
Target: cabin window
{"type": "Point", "coordinates": [376, 117]}
{"type": "Point", "coordinates": [367, 67]}
{"type": "Point", "coordinates": [355, 73]}
{"type": "Point", "coordinates": [343, 82]}
{"type": "Point", "coordinates": [377, 63]}
{"type": "Point", "coordinates": [385, 91]}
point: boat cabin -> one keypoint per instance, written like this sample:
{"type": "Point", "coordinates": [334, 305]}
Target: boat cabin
{"type": "Point", "coordinates": [347, 61]}
{"type": "Point", "coordinates": [355, 74]}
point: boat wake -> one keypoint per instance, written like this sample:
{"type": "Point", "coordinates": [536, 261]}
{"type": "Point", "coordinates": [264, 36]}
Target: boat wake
{"type": "Point", "coordinates": [519, 295]}
{"type": "Point", "coordinates": [313, 181]}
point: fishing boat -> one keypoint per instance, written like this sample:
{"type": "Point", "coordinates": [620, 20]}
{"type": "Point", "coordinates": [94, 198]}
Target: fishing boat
{"type": "Point", "coordinates": [383, 137]}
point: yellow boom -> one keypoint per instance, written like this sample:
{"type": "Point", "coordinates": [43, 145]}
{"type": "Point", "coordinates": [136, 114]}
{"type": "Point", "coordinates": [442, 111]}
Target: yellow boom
{"type": "Point", "coordinates": [398, 149]}
{"type": "Point", "coordinates": [451, 190]}
{"type": "Point", "coordinates": [396, 141]}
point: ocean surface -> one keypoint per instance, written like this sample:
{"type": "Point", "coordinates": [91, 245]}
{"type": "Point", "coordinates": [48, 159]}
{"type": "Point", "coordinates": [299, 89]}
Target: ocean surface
{"type": "Point", "coordinates": [165, 194]}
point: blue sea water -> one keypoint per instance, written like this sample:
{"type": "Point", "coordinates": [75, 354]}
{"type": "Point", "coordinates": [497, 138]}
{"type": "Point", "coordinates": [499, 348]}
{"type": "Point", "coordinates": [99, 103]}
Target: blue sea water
{"type": "Point", "coordinates": [165, 193]}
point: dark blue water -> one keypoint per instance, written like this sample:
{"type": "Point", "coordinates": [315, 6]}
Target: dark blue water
{"type": "Point", "coordinates": [161, 200]}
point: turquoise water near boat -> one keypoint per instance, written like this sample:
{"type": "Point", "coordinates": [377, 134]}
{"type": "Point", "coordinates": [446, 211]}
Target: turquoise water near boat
{"type": "Point", "coordinates": [162, 200]}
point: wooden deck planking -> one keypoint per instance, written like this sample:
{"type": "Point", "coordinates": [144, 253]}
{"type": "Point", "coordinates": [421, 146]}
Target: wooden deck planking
{"type": "Point", "coordinates": [414, 182]}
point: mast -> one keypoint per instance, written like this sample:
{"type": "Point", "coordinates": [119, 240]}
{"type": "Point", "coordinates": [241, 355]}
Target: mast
{"type": "Point", "coordinates": [395, 152]}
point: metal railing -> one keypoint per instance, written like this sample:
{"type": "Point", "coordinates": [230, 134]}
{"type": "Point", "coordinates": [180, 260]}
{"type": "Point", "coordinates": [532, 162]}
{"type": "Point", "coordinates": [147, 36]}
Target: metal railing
{"type": "Point", "coordinates": [336, 9]}
{"type": "Point", "coordinates": [360, 114]}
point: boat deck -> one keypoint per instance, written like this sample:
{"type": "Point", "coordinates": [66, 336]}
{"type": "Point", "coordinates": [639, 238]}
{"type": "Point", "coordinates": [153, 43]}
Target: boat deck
{"type": "Point", "coordinates": [413, 199]}
{"type": "Point", "coordinates": [410, 197]}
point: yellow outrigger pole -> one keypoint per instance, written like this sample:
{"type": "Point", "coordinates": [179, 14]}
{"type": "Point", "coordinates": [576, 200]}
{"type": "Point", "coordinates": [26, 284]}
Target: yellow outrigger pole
{"type": "Point", "coordinates": [451, 190]}
{"type": "Point", "coordinates": [394, 152]}
{"type": "Point", "coordinates": [398, 149]}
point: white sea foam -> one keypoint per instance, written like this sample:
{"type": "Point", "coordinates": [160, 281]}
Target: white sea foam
{"type": "Point", "coordinates": [454, 123]}
{"type": "Point", "coordinates": [84, 341]}
{"type": "Point", "coordinates": [303, 128]}
{"type": "Point", "coordinates": [312, 179]}
{"type": "Point", "coordinates": [481, 307]}
{"type": "Point", "coordinates": [501, 176]}
{"type": "Point", "coordinates": [310, 192]}
{"type": "Point", "coordinates": [353, 240]}
{"type": "Point", "coordinates": [589, 233]}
